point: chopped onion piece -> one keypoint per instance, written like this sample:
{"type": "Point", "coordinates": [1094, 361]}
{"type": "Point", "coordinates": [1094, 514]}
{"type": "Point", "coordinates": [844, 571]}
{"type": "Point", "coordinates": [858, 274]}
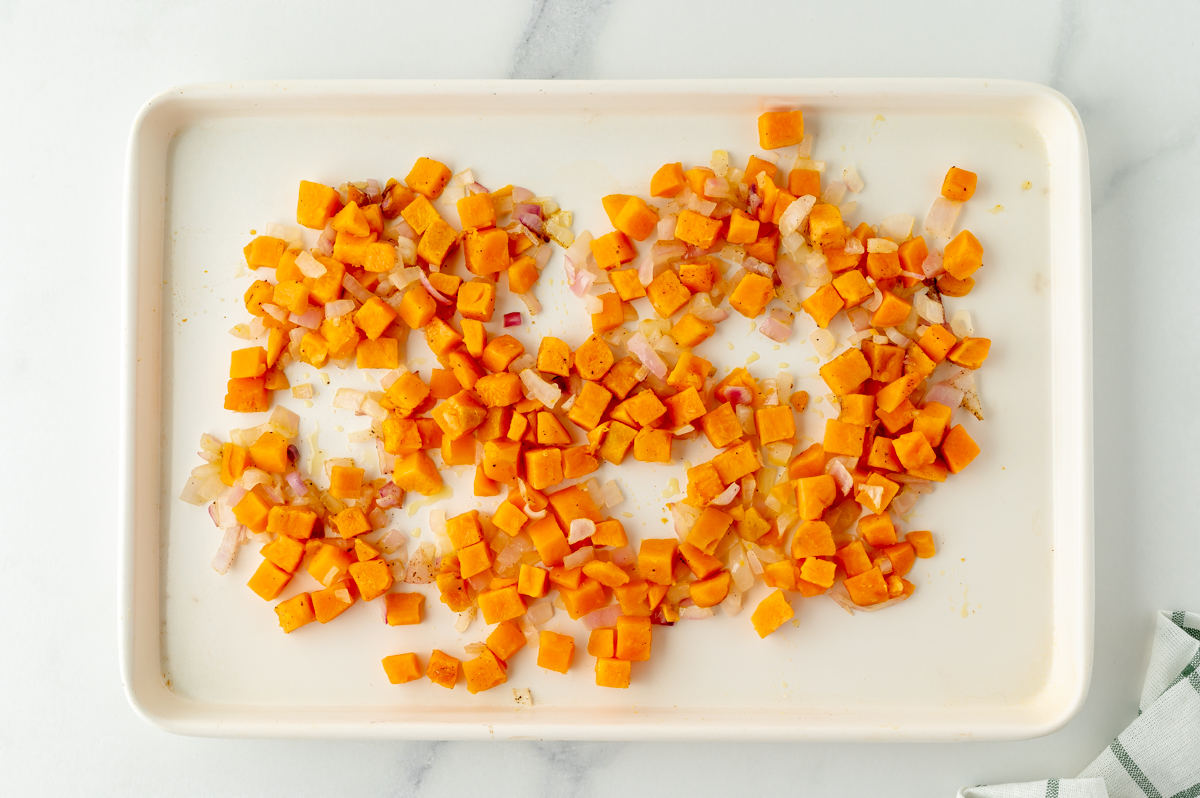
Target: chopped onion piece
{"type": "Point", "coordinates": [789, 271]}
{"type": "Point", "coordinates": [841, 476]}
{"type": "Point", "coordinates": [875, 301]}
{"type": "Point", "coordinates": [355, 288]}
{"type": "Point", "coordinates": [285, 232]}
{"type": "Point", "coordinates": [775, 330]}
{"type": "Point", "coordinates": [403, 278]}
{"type": "Point", "coordinates": [897, 227]}
{"type": "Point", "coordinates": [541, 612]}
{"type": "Point", "coordinates": [348, 399]}
{"type": "Point", "coordinates": [851, 179]}
{"type": "Point", "coordinates": [666, 227]}
{"type": "Point", "coordinates": [310, 266]}
{"type": "Point", "coordinates": [663, 251]}
{"type": "Point", "coordinates": [904, 501]}
{"type": "Point", "coordinates": [603, 617]}
{"type": "Point", "coordinates": [719, 188]}
{"type": "Point", "coordinates": [531, 304]}
{"type": "Point", "coordinates": [860, 319]}
{"type": "Point", "coordinates": [338, 308]}
{"type": "Point", "coordinates": [223, 560]}
{"type": "Point", "coordinates": [702, 308]}
{"type": "Point", "coordinates": [325, 242]}
{"type": "Point", "coordinates": [834, 192]}
{"type": "Point", "coordinates": [406, 251]}
{"type": "Point", "coordinates": [929, 309]}
{"type": "Point", "coordinates": [310, 319]}
{"type": "Point", "coordinates": [512, 319]}
{"type": "Point", "coordinates": [940, 220]}
{"type": "Point", "coordinates": [685, 518]}
{"type": "Point", "coordinates": [433, 292]}
{"type": "Point", "coordinates": [736, 394]}
{"type": "Point", "coordinates": [944, 394]}
{"type": "Point", "coordinates": [732, 604]}
{"type": "Point", "coordinates": [694, 613]}
{"type": "Point", "coordinates": [881, 246]}
{"type": "Point", "coordinates": [463, 620]}
{"type": "Point", "coordinates": [847, 209]}
{"type": "Point", "coordinates": [592, 304]}
{"type": "Point", "coordinates": [896, 337]}
{"type": "Point", "coordinates": [581, 529]}
{"type": "Point", "coordinates": [822, 341]}
{"type": "Point", "coordinates": [580, 250]}
{"type": "Point", "coordinates": [576, 559]}
{"type": "Point", "coordinates": [545, 392]}
{"type": "Point", "coordinates": [818, 270]}
{"type": "Point", "coordinates": [854, 246]}
{"type": "Point", "coordinates": [804, 163]}
{"type": "Point", "coordinates": [644, 353]}
{"type": "Point", "coordinates": [276, 312]}
{"type": "Point", "coordinates": [525, 361]}
{"type": "Point", "coordinates": [727, 495]}
{"type": "Point", "coordinates": [778, 453]}
{"type": "Point", "coordinates": [961, 324]}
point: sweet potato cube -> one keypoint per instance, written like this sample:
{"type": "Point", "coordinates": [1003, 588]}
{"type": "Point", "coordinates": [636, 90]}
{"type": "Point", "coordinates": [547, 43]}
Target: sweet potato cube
{"type": "Point", "coordinates": [922, 543]}
{"type": "Point", "coordinates": [476, 210]}
{"type": "Point", "coordinates": [962, 256]}
{"type": "Point", "coordinates": [775, 423]}
{"type": "Point", "coordinates": [634, 638]}
{"type": "Point", "coordinates": [250, 362]}
{"type": "Point", "coordinates": [612, 250]}
{"type": "Point", "coordinates": [803, 182]}
{"type": "Point", "coordinates": [500, 352]}
{"type": "Point", "coordinates": [689, 371]}
{"type": "Point", "coordinates": [636, 219]}
{"type": "Point", "coordinates": [812, 539]}
{"type": "Point", "coordinates": [699, 231]}
{"type": "Point", "coordinates": [710, 591]}
{"type": "Point", "coordinates": [374, 317]}
{"type": "Point", "coordinates": [846, 372]}
{"type": "Point", "coordinates": [611, 315]}
{"type": "Point", "coordinates": [809, 463]}
{"type": "Point", "coordinates": [345, 482]}
{"type": "Point", "coordinates": [352, 249]}
{"type": "Point", "coordinates": [606, 573]}
{"type": "Point", "coordinates": [867, 588]}
{"type": "Point", "coordinates": [970, 352]}
{"type": "Point", "coordinates": [590, 404]}
{"type": "Point", "coordinates": [959, 184]}
{"type": "Point", "coordinates": [443, 669]}
{"type": "Point", "coordinates": [402, 668]}
{"type": "Point", "coordinates": [771, 613]}
{"type": "Point", "coordinates": [825, 303]}
{"type": "Point", "coordinates": [721, 426]}
{"type": "Point", "coordinates": [578, 462]}
{"type": "Point", "coordinates": [555, 651]}
{"type": "Point", "coordinates": [892, 394]}
{"type": "Point", "coordinates": [852, 287]}
{"type": "Point", "coordinates": [752, 294]}
{"type": "Point", "coordinates": [627, 285]}
{"type": "Point", "coordinates": [737, 462]}
{"type": "Point", "coordinates": [549, 540]}
{"type": "Point", "coordinates": [554, 357]}
{"type": "Point", "coordinates": [543, 467]}
{"type": "Point", "coordinates": [780, 129]}
{"type": "Point", "coordinates": [373, 578]}
{"type": "Point", "coordinates": [702, 565]}
{"type": "Point", "coordinates": [269, 580]}
{"type": "Point", "coordinates": [896, 420]}
{"type": "Point", "coordinates": [332, 601]}
{"type": "Point", "coordinates": [462, 413]}
{"type": "Point", "coordinates": [464, 529]}
{"type": "Point", "coordinates": [269, 452]}
{"type": "Point", "coordinates": [383, 353]}
{"type": "Point", "coordinates": [913, 450]}
{"type": "Point", "coordinates": [936, 342]}
{"type": "Point", "coordinates": [253, 509]}
{"type": "Point", "coordinates": [883, 454]}
{"type": "Point", "coordinates": [610, 532]}
{"type": "Point", "coordinates": [477, 300]}
{"type": "Point", "coordinates": [602, 642]}
{"type": "Point", "coordinates": [502, 604]}
{"type": "Point", "coordinates": [656, 560]}
{"type": "Point", "coordinates": [743, 228]}
{"type": "Point", "coordinates": [417, 308]}
{"type": "Point", "coordinates": [684, 407]}
{"type": "Point", "coordinates": [691, 330]}
{"type": "Point", "coordinates": [766, 248]}
{"type": "Point", "coordinates": [247, 395]}
{"type": "Point", "coordinates": [696, 177]}
{"type": "Point", "coordinates": [667, 181]}
{"type": "Point", "coordinates": [350, 219]}
{"type": "Point", "coordinates": [474, 559]}
{"type": "Point", "coordinates": [813, 495]}
{"type": "Point", "coordinates": [613, 203]}
{"type": "Point", "coordinates": [617, 441]}
{"type": "Point", "coordinates": [501, 389]}
{"type": "Point", "coordinates": [621, 377]}
{"type": "Point", "coordinates": [406, 394]}
{"type": "Point", "coordinates": [350, 522]}
{"type": "Point", "coordinates": [317, 204]}
{"type": "Point", "coordinates": [709, 528]}
{"type": "Point", "coordinates": [883, 265]}
{"type": "Point", "coordinates": [949, 285]}
{"type": "Point", "coordinates": [612, 672]}
{"type": "Point", "coordinates": [877, 529]}
{"type": "Point", "coordinates": [440, 238]}
{"type": "Point", "coordinates": [666, 294]}
{"type": "Point", "coordinates": [509, 518]}
{"type": "Point", "coordinates": [958, 449]}
{"type": "Point", "coordinates": [505, 640]}
{"type": "Point", "coordinates": [818, 572]}
{"type": "Point", "coordinates": [843, 438]}
{"type": "Point", "coordinates": [704, 484]}
{"type": "Point", "coordinates": [328, 564]}
{"type": "Point", "coordinates": [699, 276]}
{"type": "Point", "coordinates": [295, 612]}
{"type": "Point", "coordinates": [550, 431]}
{"type": "Point", "coordinates": [404, 609]}
{"type": "Point", "coordinates": [876, 493]}
{"type": "Point", "coordinates": [295, 522]}
{"type": "Point", "coordinates": [892, 311]}
{"type": "Point", "coordinates": [428, 177]}
{"type": "Point", "coordinates": [853, 558]}
{"type": "Point", "coordinates": [825, 226]}
{"type": "Point", "coordinates": [751, 526]}
{"type": "Point", "coordinates": [588, 597]}
{"type": "Point", "coordinates": [532, 581]}
{"type": "Point", "coordinates": [418, 473]}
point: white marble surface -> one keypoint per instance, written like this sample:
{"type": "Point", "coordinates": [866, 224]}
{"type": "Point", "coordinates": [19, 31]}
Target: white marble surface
{"type": "Point", "coordinates": [72, 76]}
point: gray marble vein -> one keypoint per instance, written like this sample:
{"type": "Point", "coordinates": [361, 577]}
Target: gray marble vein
{"type": "Point", "coordinates": [557, 40]}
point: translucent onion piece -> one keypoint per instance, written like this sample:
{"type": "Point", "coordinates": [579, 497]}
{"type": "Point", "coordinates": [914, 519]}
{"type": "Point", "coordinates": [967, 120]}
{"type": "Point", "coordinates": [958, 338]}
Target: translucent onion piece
{"type": "Point", "coordinates": [874, 302]}
{"type": "Point", "coordinates": [841, 476]}
{"type": "Point", "coordinates": [818, 270]}
{"type": "Point", "coordinates": [701, 307]}
{"type": "Point", "coordinates": [694, 613]}
{"type": "Point", "coordinates": [592, 304]}
{"type": "Point", "coordinates": [897, 227]}
{"type": "Point", "coordinates": [227, 551]}
{"type": "Point", "coordinates": [896, 337]}
{"type": "Point", "coordinates": [961, 324]}
{"type": "Point", "coordinates": [822, 341]}
{"type": "Point", "coordinates": [732, 604]}
{"type": "Point", "coordinates": [338, 308]}
{"type": "Point", "coordinates": [612, 494]}
{"type": "Point", "coordinates": [778, 454]}
{"type": "Point", "coordinates": [940, 220]}
{"type": "Point", "coordinates": [793, 218]}
{"type": "Point", "coordinates": [685, 518]}
{"type": "Point", "coordinates": [860, 319]}
{"type": "Point", "coordinates": [309, 266]}
{"type": "Point", "coordinates": [531, 304]}
{"type": "Point", "coordinates": [348, 399]}
{"type": "Point", "coordinates": [854, 246]}
{"type": "Point", "coordinates": [834, 192]}
{"type": "Point", "coordinates": [727, 495]}
{"type": "Point", "coordinates": [929, 309]}
{"type": "Point", "coordinates": [851, 179]}
{"type": "Point", "coordinates": [541, 612]}
{"type": "Point", "coordinates": [579, 251]}
{"type": "Point", "coordinates": [663, 251]}
{"type": "Point", "coordinates": [775, 330]}
{"type": "Point", "coordinates": [463, 620]}
{"type": "Point", "coordinates": [644, 353]}
{"type": "Point", "coordinates": [420, 567]}
{"type": "Point", "coordinates": [545, 392]}
{"type": "Point", "coordinates": [602, 618]}
{"type": "Point", "coordinates": [581, 529]}
{"type": "Point", "coordinates": [406, 251]}
{"type": "Point", "coordinates": [881, 245]}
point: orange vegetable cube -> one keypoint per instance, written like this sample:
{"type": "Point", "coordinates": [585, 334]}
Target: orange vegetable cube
{"type": "Point", "coordinates": [332, 601]}
{"type": "Point", "coordinates": [922, 543]}
{"type": "Point", "coordinates": [549, 540]}
{"type": "Point", "coordinates": [958, 449]}
{"type": "Point", "coordinates": [350, 219]}
{"type": "Point", "coordinates": [824, 304]}
{"type": "Point", "coordinates": [818, 572]}
{"type": "Point", "coordinates": [612, 250]}
{"type": "Point", "coordinates": [374, 317]}
{"type": "Point", "coordinates": [809, 463]}
{"type": "Point", "coordinates": [269, 580]}
{"type": "Point", "coordinates": [854, 558]}
{"type": "Point", "coordinates": [812, 539]}
{"type": "Point", "coordinates": [690, 371]}
{"type": "Point", "coordinates": [443, 669]}
{"type": "Point", "coordinates": [627, 285]}
{"type": "Point", "coordinates": [316, 205]}
{"type": "Point", "coordinates": [876, 493]}
{"type": "Point", "coordinates": [345, 482]}
{"type": "Point", "coordinates": [253, 509]}
{"type": "Point", "coordinates": [883, 265]}
{"type": "Point", "coordinates": [743, 228]}
{"type": "Point", "coordinates": [329, 564]}
{"type": "Point", "coordinates": [691, 330]}
{"type": "Point", "coordinates": [666, 182]}
{"type": "Point", "coordinates": [912, 254]}
{"type": "Point", "coordinates": [532, 581]}
{"type": "Point", "coordinates": [771, 613]}
{"type": "Point", "coordinates": [803, 182]}
{"type": "Point", "coordinates": [269, 452]}
{"type": "Point", "coordinates": [852, 287]}
{"type": "Point", "coordinates": [711, 591]}
{"type": "Point", "coordinates": [752, 294]}
{"type": "Point", "coordinates": [667, 295]}
{"type": "Point", "coordinates": [285, 552]}
{"type": "Point", "coordinates": [428, 178]}
{"type": "Point", "coordinates": [404, 609]}
{"type": "Point", "coordinates": [417, 308]}
{"type": "Point", "coordinates": [505, 640]}
{"type": "Point", "coordinates": [877, 530]}
{"type": "Point", "coordinates": [721, 426]}
{"type": "Point", "coordinates": [883, 454]}
{"type": "Point", "coordinates": [636, 219]}
{"type": "Point", "coordinates": [295, 612]}
{"type": "Point", "coordinates": [543, 467]}
{"type": "Point", "coordinates": [708, 530]}
{"type": "Point", "coordinates": [296, 522]}
{"type": "Point", "coordinates": [634, 638]}
{"type": "Point", "coordinates": [402, 668]}
{"type": "Point", "coordinates": [610, 532]}
{"type": "Point", "coordinates": [814, 494]}
{"type": "Point", "coordinates": [825, 226]}
{"type": "Point", "coordinates": [962, 256]}
{"type": "Point", "coordinates": [588, 597]}
{"type": "Point", "coordinates": [373, 578]}
{"type": "Point", "coordinates": [867, 588]}
{"type": "Point", "coordinates": [477, 210]}
{"type": "Point", "coordinates": [696, 177]}
{"type": "Point", "coordinates": [699, 231]}
{"type": "Point", "coordinates": [502, 604]}
{"type": "Point", "coordinates": [959, 184]}
{"type": "Point", "coordinates": [846, 372]}
{"type": "Point", "coordinates": [970, 352]}
{"type": "Point", "coordinates": [251, 362]}
{"type": "Point", "coordinates": [590, 404]}
{"type": "Point", "coordinates": [843, 438]}
{"type": "Point", "coordinates": [415, 471]}
{"type": "Point", "coordinates": [780, 129]}
{"type": "Point", "coordinates": [902, 556]}
{"type": "Point", "coordinates": [949, 285]}
{"type": "Point", "coordinates": [350, 522]}
{"type": "Point", "coordinates": [913, 450]}
{"type": "Point", "coordinates": [383, 353]}
{"type": "Point", "coordinates": [613, 203]}
{"type": "Point", "coordinates": [892, 312]}
{"type": "Point", "coordinates": [602, 642]}
{"type": "Point", "coordinates": [247, 395]}
{"type": "Point", "coordinates": [737, 462]}
{"type": "Point", "coordinates": [555, 651]}
{"type": "Point", "coordinates": [611, 315]}
{"type": "Point", "coordinates": [656, 560]}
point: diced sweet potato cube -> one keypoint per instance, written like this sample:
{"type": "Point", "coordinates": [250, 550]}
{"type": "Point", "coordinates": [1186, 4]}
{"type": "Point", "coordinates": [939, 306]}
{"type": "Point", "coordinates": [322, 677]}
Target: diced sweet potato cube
{"type": "Point", "coordinates": [970, 352]}
{"type": "Point", "coordinates": [775, 423]}
{"type": "Point", "coordinates": [373, 577]}
{"type": "Point", "coordinates": [383, 353]}
{"type": "Point", "coordinates": [825, 226]}
{"type": "Point", "coordinates": [743, 228]}
{"type": "Point", "coordinates": [892, 311]}
{"type": "Point", "coordinates": [721, 426]}
{"type": "Point", "coordinates": [699, 276]}
{"type": "Point", "coordinates": [417, 472]}
{"type": "Point", "coordinates": [843, 438]}
{"type": "Point", "coordinates": [824, 304]}
{"type": "Point", "coordinates": [766, 247]}
{"type": "Point", "coordinates": [666, 294]}
{"type": "Point", "coordinates": [803, 182]}
{"type": "Point", "coordinates": [959, 449]}
{"type": "Point", "coordinates": [621, 377]}
{"type": "Point", "coordinates": [345, 482]}
{"type": "Point", "coordinates": [404, 609]}
{"type": "Point", "coordinates": [486, 252]}
{"type": "Point", "coordinates": [814, 494]}
{"type": "Point", "coordinates": [780, 129]}
{"type": "Point", "coordinates": [922, 543]}
{"type": "Point", "coordinates": [634, 638]}
{"type": "Point", "coordinates": [636, 219]}
{"type": "Point", "coordinates": [667, 181]}
{"type": "Point", "coordinates": [854, 558]}
{"type": "Point", "coordinates": [809, 463]}
{"type": "Point", "coordinates": [709, 528]}
{"type": "Point", "coordinates": [737, 462]}
{"type": "Point", "coordinates": [611, 315]}
{"type": "Point", "coordinates": [959, 184]}
{"type": "Point", "coordinates": [685, 407]}
{"type": "Point", "coordinates": [554, 357]}
{"type": "Point", "coordinates": [402, 668]}
{"type": "Point", "coordinates": [752, 294]}
{"type": "Point", "coordinates": [443, 669]}
{"type": "Point", "coordinates": [332, 601]}
{"type": "Point", "coordinates": [428, 177]}
{"type": "Point", "coordinates": [867, 588]}
{"type": "Point", "coordinates": [350, 522]}
{"type": "Point", "coordinates": [962, 256]}
{"type": "Point", "coordinates": [484, 671]}
{"type": "Point", "coordinates": [578, 462]}
{"type": "Point", "coordinates": [602, 642]}
{"type": "Point", "coordinates": [254, 508]}
{"type": "Point", "coordinates": [689, 371]}
{"type": "Point", "coordinates": [295, 612]}
{"type": "Point", "coordinates": [852, 287]}
{"type": "Point", "coordinates": [818, 572]}
{"type": "Point", "coordinates": [247, 395]}
{"type": "Point", "coordinates": [813, 539]}
{"type": "Point", "coordinates": [269, 580]}
{"type": "Point", "coordinates": [543, 467]}
{"type": "Point", "coordinates": [846, 372]}
{"type": "Point", "coordinates": [771, 613]}
{"type": "Point", "coordinates": [500, 352]}
{"type": "Point", "coordinates": [505, 640]}
{"type": "Point", "coordinates": [296, 522]}
{"type": "Point", "coordinates": [417, 308]}
{"type": "Point", "coordinates": [420, 214]}
{"type": "Point", "coordinates": [549, 540]}
{"type": "Point", "coordinates": [656, 560]}
{"type": "Point", "coordinates": [555, 651]}
{"type": "Point", "coordinates": [883, 455]}
{"type": "Point", "coordinates": [877, 530]}
{"type": "Point", "coordinates": [627, 285]}
{"type": "Point", "coordinates": [550, 431]}
{"type": "Point", "coordinates": [691, 330]}
{"type": "Point", "coordinates": [617, 441]}
{"type": "Point", "coordinates": [949, 285]}
{"type": "Point", "coordinates": [876, 493]}
{"type": "Point", "coordinates": [704, 484]}
{"type": "Point", "coordinates": [593, 358]}
{"type": "Point", "coordinates": [913, 450]}
{"type": "Point", "coordinates": [502, 604]}
{"type": "Point", "coordinates": [532, 581]}
{"type": "Point", "coordinates": [892, 394]}
{"type": "Point", "coordinates": [699, 231]}
{"type": "Point", "coordinates": [751, 526]}
{"type": "Point", "coordinates": [612, 250]}
{"type": "Point", "coordinates": [476, 210]}
{"type": "Point", "coordinates": [317, 204]}
{"type": "Point", "coordinates": [462, 413]}
{"type": "Point", "coordinates": [612, 672]}
{"type": "Point", "coordinates": [590, 404]}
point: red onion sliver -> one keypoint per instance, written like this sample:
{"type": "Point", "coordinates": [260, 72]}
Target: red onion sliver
{"type": "Point", "coordinates": [310, 318]}
{"type": "Point", "coordinates": [603, 617]}
{"type": "Point", "coordinates": [235, 494]}
{"type": "Point", "coordinates": [297, 483]}
{"type": "Point", "coordinates": [645, 269]}
{"type": "Point", "coordinates": [530, 220]}
{"type": "Point", "coordinates": [522, 208]}
{"type": "Point", "coordinates": [325, 242]}
{"type": "Point", "coordinates": [521, 194]}
{"type": "Point", "coordinates": [736, 394]}
{"type": "Point", "coordinates": [775, 330]}
{"type": "Point", "coordinates": [512, 319]}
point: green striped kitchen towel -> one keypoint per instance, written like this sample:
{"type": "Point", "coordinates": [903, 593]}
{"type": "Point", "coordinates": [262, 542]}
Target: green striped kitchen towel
{"type": "Point", "coordinates": [1158, 756]}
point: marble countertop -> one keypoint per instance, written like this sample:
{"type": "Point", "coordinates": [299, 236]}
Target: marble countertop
{"type": "Point", "coordinates": [75, 75]}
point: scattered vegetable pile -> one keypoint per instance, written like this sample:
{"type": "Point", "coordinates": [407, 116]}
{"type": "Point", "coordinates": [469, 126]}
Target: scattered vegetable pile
{"type": "Point", "coordinates": [811, 520]}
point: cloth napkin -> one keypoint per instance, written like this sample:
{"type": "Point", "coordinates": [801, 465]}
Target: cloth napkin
{"type": "Point", "coordinates": [1158, 756]}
